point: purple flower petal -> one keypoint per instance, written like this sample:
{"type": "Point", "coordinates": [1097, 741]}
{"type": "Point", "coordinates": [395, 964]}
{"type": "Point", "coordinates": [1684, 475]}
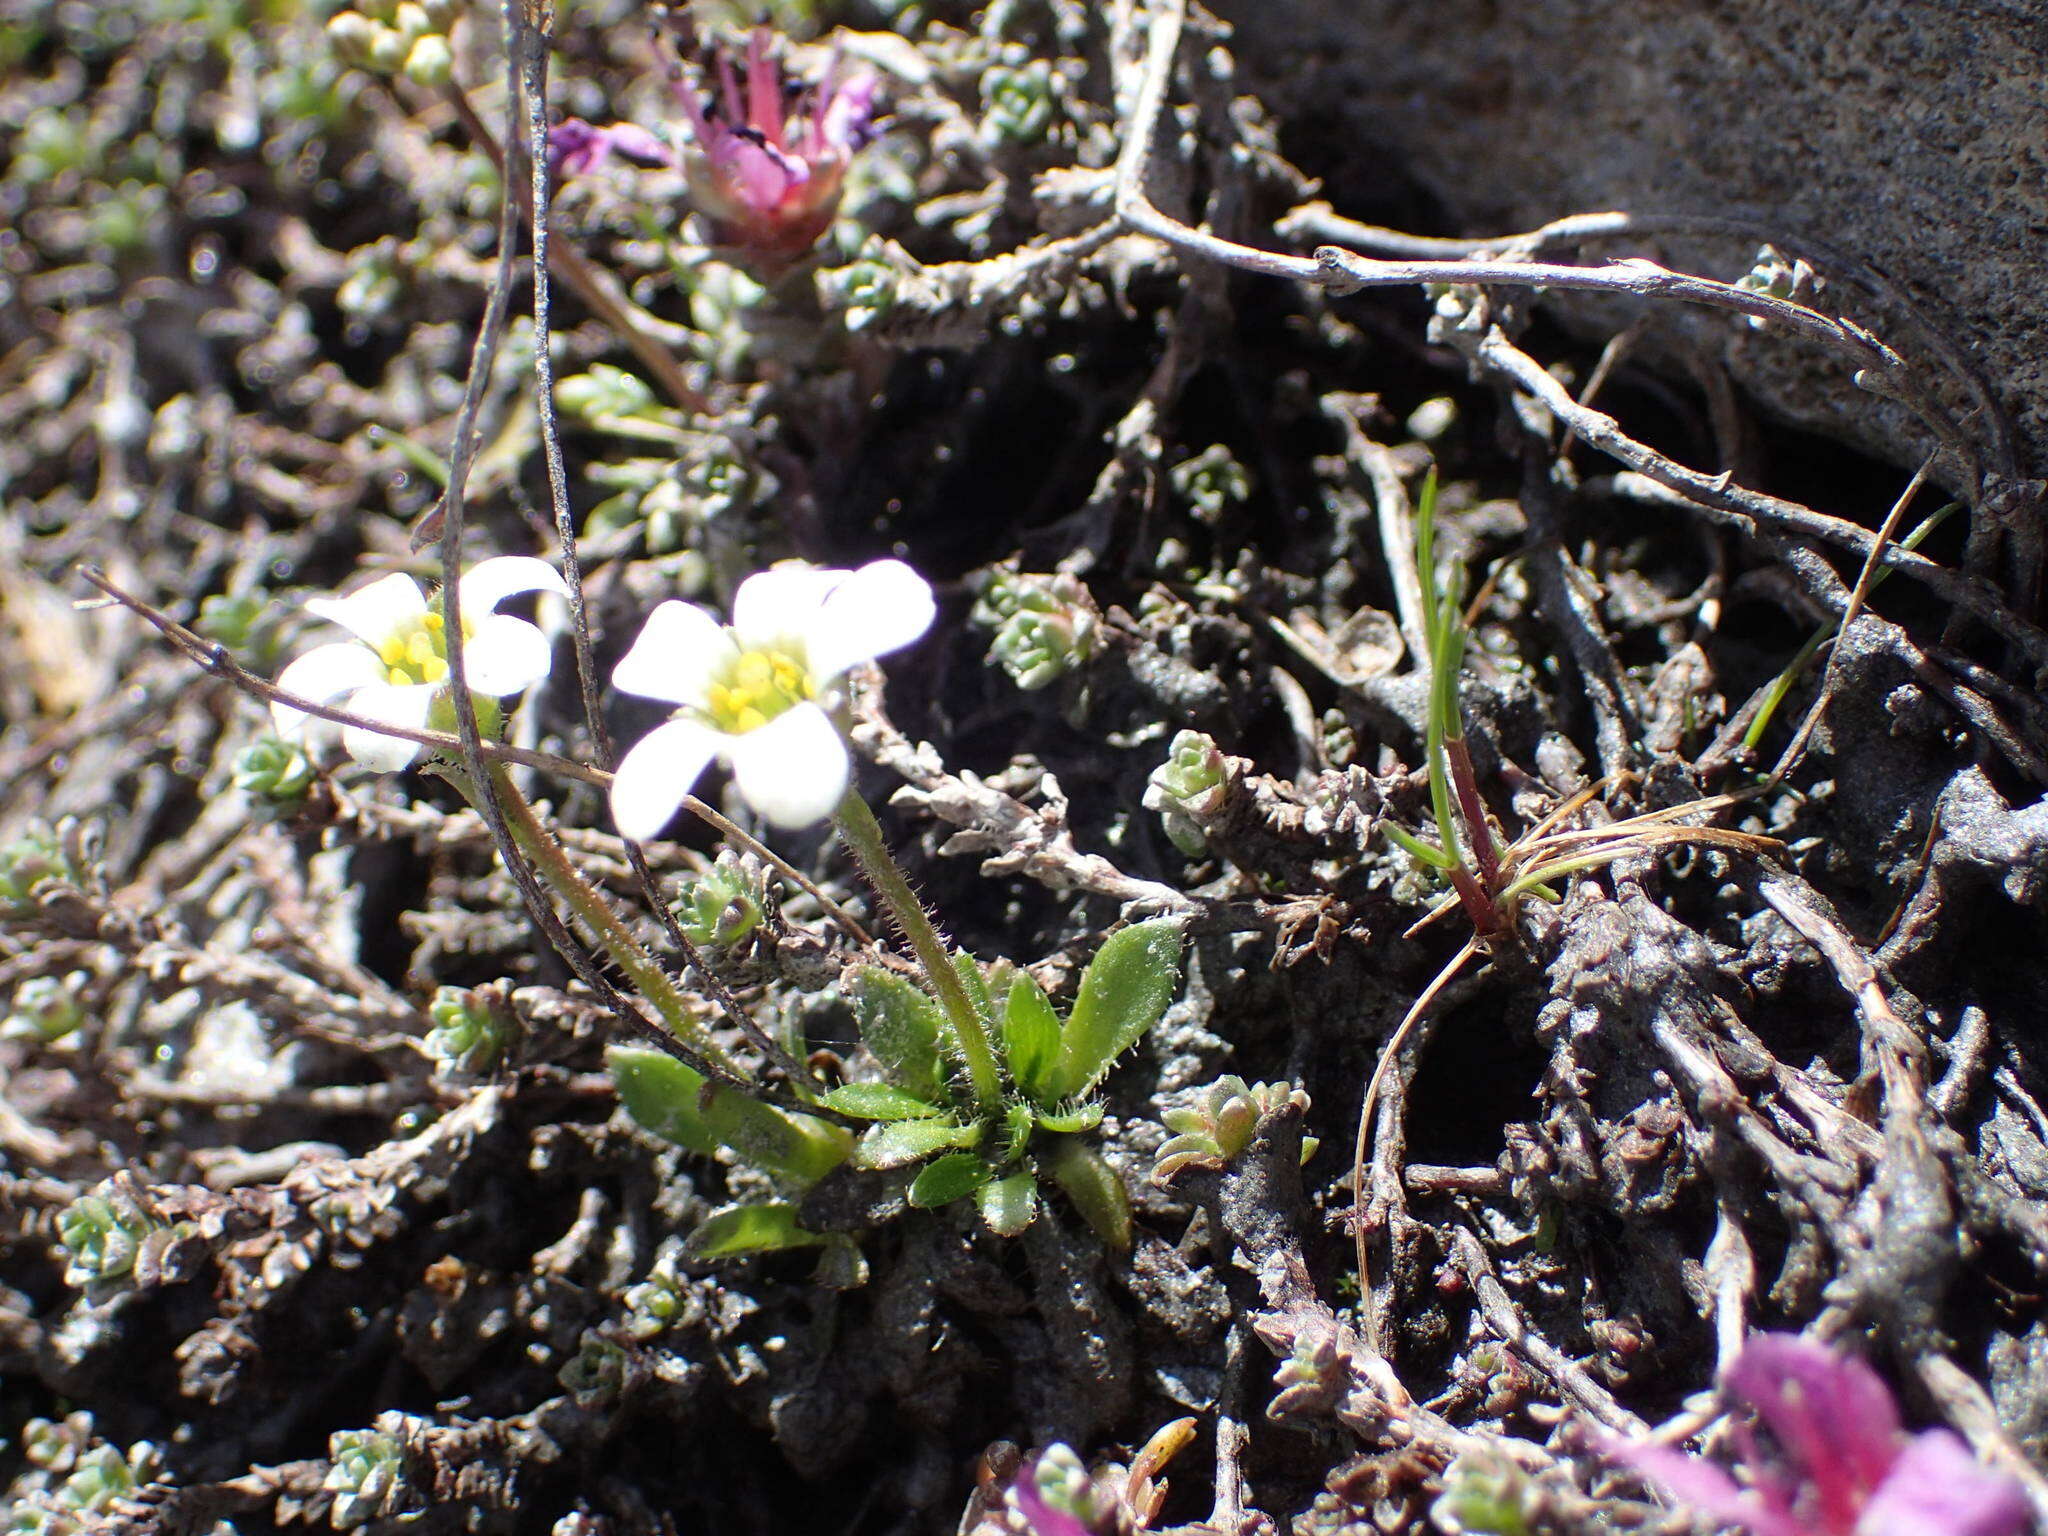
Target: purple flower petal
{"type": "Point", "coordinates": [846, 118]}
{"type": "Point", "coordinates": [1831, 1416]}
{"type": "Point", "coordinates": [639, 145]}
{"type": "Point", "coordinates": [766, 174]}
{"type": "Point", "coordinates": [1040, 1516]}
{"type": "Point", "coordinates": [764, 89]}
{"type": "Point", "coordinates": [575, 148]}
{"type": "Point", "coordinates": [1937, 1488]}
{"type": "Point", "coordinates": [1697, 1484]}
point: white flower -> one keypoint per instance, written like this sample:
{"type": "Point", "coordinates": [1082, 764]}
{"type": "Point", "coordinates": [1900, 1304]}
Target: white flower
{"type": "Point", "coordinates": [397, 666]}
{"type": "Point", "coordinates": [756, 694]}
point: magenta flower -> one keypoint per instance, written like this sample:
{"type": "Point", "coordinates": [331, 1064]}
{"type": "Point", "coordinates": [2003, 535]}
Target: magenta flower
{"type": "Point", "coordinates": [767, 170]}
{"type": "Point", "coordinates": [1833, 1460]}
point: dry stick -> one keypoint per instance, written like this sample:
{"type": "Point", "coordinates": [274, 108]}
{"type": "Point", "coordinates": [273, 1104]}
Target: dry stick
{"type": "Point", "coordinates": [1901, 1057]}
{"type": "Point", "coordinates": [536, 38]}
{"type": "Point", "coordinates": [1396, 521]}
{"type": "Point", "coordinates": [1342, 271]}
{"type": "Point", "coordinates": [1966, 685]}
{"type": "Point", "coordinates": [1618, 346]}
{"type": "Point", "coordinates": [535, 41]}
{"type": "Point", "coordinates": [593, 285]}
{"type": "Point", "coordinates": [1753, 510]}
{"type": "Point", "coordinates": [1365, 1105]}
{"type": "Point", "coordinates": [1317, 223]}
{"type": "Point", "coordinates": [1796, 748]}
{"type": "Point", "coordinates": [1498, 1309]}
{"type": "Point", "coordinates": [470, 736]}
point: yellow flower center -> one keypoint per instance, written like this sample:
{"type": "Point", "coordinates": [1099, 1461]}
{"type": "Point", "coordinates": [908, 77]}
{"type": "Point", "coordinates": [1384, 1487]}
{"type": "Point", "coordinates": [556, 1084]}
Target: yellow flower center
{"type": "Point", "coordinates": [756, 687]}
{"type": "Point", "coordinates": [416, 653]}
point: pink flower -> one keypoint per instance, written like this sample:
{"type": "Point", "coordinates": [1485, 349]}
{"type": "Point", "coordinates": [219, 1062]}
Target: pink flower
{"type": "Point", "coordinates": [767, 173]}
{"type": "Point", "coordinates": [1834, 1461]}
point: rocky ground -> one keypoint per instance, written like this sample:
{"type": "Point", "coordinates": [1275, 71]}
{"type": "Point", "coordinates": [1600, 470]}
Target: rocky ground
{"type": "Point", "coordinates": [317, 1201]}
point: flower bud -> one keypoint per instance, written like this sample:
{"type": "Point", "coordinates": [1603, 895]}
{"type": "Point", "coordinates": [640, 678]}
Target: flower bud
{"type": "Point", "coordinates": [722, 906]}
{"type": "Point", "coordinates": [471, 1028]}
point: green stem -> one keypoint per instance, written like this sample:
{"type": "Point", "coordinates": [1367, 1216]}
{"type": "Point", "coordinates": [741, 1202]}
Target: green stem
{"type": "Point", "coordinates": [597, 916]}
{"type": "Point", "coordinates": [862, 835]}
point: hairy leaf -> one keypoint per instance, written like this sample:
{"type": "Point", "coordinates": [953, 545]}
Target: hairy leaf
{"type": "Point", "coordinates": [739, 1230]}
{"type": "Point", "coordinates": [1008, 1205]}
{"type": "Point", "coordinates": [1072, 1120]}
{"type": "Point", "coordinates": [879, 1101]}
{"type": "Point", "coordinates": [906, 1141]}
{"type": "Point", "coordinates": [900, 1023]}
{"type": "Point", "coordinates": [1123, 992]}
{"type": "Point", "coordinates": [1094, 1187]}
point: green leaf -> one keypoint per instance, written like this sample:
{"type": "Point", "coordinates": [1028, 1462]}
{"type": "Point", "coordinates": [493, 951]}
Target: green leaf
{"type": "Point", "coordinates": [879, 1101]}
{"type": "Point", "coordinates": [739, 1230]}
{"type": "Point", "coordinates": [1018, 1124]}
{"type": "Point", "coordinates": [949, 1178]}
{"type": "Point", "coordinates": [1123, 992]}
{"type": "Point", "coordinates": [1072, 1120]}
{"type": "Point", "coordinates": [900, 1023]}
{"type": "Point", "coordinates": [663, 1095]}
{"type": "Point", "coordinates": [906, 1141]}
{"type": "Point", "coordinates": [674, 1101]}
{"type": "Point", "coordinates": [1093, 1186]}
{"type": "Point", "coordinates": [1031, 1036]}
{"type": "Point", "coordinates": [1417, 849]}
{"type": "Point", "coordinates": [1008, 1205]}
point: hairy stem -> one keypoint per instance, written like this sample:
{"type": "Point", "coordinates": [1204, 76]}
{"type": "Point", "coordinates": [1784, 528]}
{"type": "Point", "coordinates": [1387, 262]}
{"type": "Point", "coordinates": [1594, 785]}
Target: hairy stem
{"type": "Point", "coordinates": [862, 835]}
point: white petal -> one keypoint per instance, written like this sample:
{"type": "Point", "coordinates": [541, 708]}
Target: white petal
{"type": "Point", "coordinates": [680, 649]}
{"type": "Point", "coordinates": [879, 608]}
{"type": "Point", "coordinates": [404, 704]}
{"type": "Point", "coordinates": [490, 582]}
{"type": "Point", "coordinates": [653, 778]}
{"type": "Point", "coordinates": [377, 612]}
{"type": "Point", "coordinates": [506, 655]}
{"type": "Point", "coordinates": [780, 602]}
{"type": "Point", "coordinates": [793, 770]}
{"type": "Point", "coordinates": [323, 674]}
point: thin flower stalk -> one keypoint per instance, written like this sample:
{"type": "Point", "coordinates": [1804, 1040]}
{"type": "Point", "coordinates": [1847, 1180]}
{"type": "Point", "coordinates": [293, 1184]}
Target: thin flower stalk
{"type": "Point", "coordinates": [601, 922]}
